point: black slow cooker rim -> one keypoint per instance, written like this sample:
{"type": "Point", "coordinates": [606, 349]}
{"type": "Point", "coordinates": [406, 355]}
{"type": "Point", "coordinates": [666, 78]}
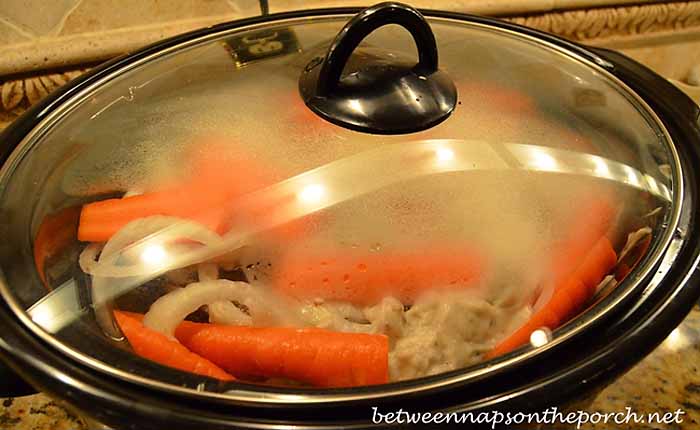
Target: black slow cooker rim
{"type": "Point", "coordinates": [24, 350]}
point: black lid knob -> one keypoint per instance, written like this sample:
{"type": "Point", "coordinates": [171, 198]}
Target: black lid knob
{"type": "Point", "coordinates": [378, 97]}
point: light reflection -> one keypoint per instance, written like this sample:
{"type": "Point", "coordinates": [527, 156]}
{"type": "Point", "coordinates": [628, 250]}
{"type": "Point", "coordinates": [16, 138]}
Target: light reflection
{"type": "Point", "coordinates": [154, 255]}
{"type": "Point", "coordinates": [444, 155]}
{"type": "Point", "coordinates": [676, 340]}
{"type": "Point", "coordinates": [43, 317]}
{"type": "Point", "coordinates": [544, 161]}
{"type": "Point", "coordinates": [312, 194]}
{"type": "Point", "coordinates": [651, 184]}
{"type": "Point", "coordinates": [632, 176]}
{"type": "Point", "coordinates": [57, 309]}
{"type": "Point", "coordinates": [540, 337]}
{"type": "Point", "coordinates": [356, 105]}
{"type": "Point", "coordinates": [601, 168]}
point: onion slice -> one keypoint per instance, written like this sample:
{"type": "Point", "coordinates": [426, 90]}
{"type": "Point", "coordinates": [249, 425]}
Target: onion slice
{"type": "Point", "coordinates": [88, 257]}
{"type": "Point", "coordinates": [171, 309]}
{"type": "Point", "coordinates": [265, 309]}
{"type": "Point", "coordinates": [173, 237]}
{"type": "Point", "coordinates": [221, 312]}
{"type": "Point", "coordinates": [226, 313]}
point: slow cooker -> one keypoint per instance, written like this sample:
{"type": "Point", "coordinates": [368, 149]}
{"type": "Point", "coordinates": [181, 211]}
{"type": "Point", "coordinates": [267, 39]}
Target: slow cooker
{"type": "Point", "coordinates": [346, 156]}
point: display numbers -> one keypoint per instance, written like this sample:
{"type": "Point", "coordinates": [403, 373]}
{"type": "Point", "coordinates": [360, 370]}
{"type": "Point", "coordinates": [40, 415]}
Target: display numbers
{"type": "Point", "coordinates": [262, 44]}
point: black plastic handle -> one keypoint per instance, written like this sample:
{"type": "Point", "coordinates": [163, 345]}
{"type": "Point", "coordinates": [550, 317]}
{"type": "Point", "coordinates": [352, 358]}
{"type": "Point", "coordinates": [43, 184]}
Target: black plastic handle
{"type": "Point", "coordinates": [382, 94]}
{"type": "Point", "coordinates": [364, 23]}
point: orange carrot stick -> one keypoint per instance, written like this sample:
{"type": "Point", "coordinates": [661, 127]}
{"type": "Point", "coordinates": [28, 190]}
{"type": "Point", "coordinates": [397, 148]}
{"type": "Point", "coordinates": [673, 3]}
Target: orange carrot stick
{"type": "Point", "coordinates": [368, 277]}
{"type": "Point", "coordinates": [592, 220]}
{"type": "Point", "coordinates": [100, 220]}
{"type": "Point", "coordinates": [215, 180]}
{"type": "Point", "coordinates": [157, 347]}
{"type": "Point", "coordinates": [54, 234]}
{"type": "Point", "coordinates": [319, 357]}
{"type": "Point", "coordinates": [568, 298]}
{"type": "Point", "coordinates": [600, 259]}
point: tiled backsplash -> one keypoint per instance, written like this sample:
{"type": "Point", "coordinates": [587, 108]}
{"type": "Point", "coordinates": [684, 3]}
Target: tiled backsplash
{"type": "Point", "coordinates": [49, 34]}
{"type": "Point", "coordinates": [23, 20]}
{"type": "Point", "coordinates": [46, 34]}
{"type": "Point", "coordinates": [27, 20]}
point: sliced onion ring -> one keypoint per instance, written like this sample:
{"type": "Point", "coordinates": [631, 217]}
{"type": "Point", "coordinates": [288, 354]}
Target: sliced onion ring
{"type": "Point", "coordinates": [171, 309]}
{"type": "Point", "coordinates": [226, 313]}
{"type": "Point", "coordinates": [178, 231]}
{"type": "Point", "coordinates": [88, 257]}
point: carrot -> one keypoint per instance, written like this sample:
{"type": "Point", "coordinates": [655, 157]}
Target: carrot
{"type": "Point", "coordinates": [215, 179]}
{"type": "Point", "coordinates": [54, 234]}
{"type": "Point", "coordinates": [568, 298]}
{"type": "Point", "coordinates": [366, 278]}
{"type": "Point", "coordinates": [316, 356]}
{"type": "Point", "coordinates": [592, 220]}
{"type": "Point", "coordinates": [335, 359]}
{"type": "Point", "coordinates": [157, 347]}
{"type": "Point", "coordinates": [600, 259]}
{"type": "Point", "coordinates": [100, 220]}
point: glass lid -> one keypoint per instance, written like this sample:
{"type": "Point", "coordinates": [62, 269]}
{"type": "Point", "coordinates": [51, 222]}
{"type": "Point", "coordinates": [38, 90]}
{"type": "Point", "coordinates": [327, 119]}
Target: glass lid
{"type": "Point", "coordinates": [286, 204]}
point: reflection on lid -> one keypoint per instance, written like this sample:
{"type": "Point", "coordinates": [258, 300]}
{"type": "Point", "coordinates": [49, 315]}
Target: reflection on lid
{"type": "Point", "coordinates": [632, 176]}
{"type": "Point", "coordinates": [58, 309]}
{"type": "Point", "coordinates": [354, 176]}
{"type": "Point", "coordinates": [330, 185]}
{"type": "Point", "coordinates": [312, 194]}
{"type": "Point", "coordinates": [444, 155]}
{"type": "Point", "coordinates": [543, 160]}
{"type": "Point", "coordinates": [652, 184]}
{"type": "Point", "coordinates": [356, 105]}
{"type": "Point", "coordinates": [601, 168]}
{"type": "Point", "coordinates": [154, 255]}
{"type": "Point", "coordinates": [540, 337]}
